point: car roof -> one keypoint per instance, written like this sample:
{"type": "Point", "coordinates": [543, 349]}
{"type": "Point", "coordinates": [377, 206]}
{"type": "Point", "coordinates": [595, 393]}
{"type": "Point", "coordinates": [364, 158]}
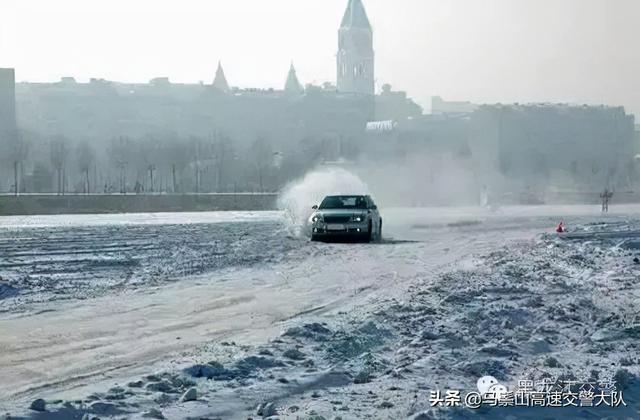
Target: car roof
{"type": "Point", "coordinates": [346, 195]}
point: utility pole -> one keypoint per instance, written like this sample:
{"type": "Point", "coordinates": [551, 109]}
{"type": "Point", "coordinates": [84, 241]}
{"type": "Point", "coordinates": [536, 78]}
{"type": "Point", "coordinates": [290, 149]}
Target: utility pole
{"type": "Point", "coordinates": [151, 169]}
{"type": "Point", "coordinates": [15, 178]}
{"type": "Point", "coordinates": [173, 175]}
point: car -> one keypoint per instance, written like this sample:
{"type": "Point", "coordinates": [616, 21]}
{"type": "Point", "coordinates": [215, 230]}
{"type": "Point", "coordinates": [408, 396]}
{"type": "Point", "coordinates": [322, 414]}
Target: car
{"type": "Point", "coordinates": [346, 216]}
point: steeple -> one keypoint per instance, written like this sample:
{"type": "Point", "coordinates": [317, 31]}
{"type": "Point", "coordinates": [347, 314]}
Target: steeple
{"type": "Point", "coordinates": [220, 82]}
{"type": "Point", "coordinates": [355, 59]}
{"type": "Point", "coordinates": [292, 85]}
{"type": "Point", "coordinates": [355, 16]}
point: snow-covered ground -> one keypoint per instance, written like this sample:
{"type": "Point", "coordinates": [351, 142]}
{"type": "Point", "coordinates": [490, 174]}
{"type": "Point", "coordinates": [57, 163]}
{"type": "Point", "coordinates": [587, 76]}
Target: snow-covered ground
{"type": "Point", "coordinates": [49, 258]}
{"type": "Point", "coordinates": [121, 315]}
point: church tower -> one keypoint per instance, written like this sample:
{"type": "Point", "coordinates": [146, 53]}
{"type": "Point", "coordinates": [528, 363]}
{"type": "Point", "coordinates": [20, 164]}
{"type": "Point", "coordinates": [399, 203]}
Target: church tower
{"type": "Point", "coordinates": [292, 86]}
{"type": "Point", "coordinates": [220, 81]}
{"type": "Point", "coordinates": [355, 52]}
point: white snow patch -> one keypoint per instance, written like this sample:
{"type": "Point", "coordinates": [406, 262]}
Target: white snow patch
{"type": "Point", "coordinates": [135, 219]}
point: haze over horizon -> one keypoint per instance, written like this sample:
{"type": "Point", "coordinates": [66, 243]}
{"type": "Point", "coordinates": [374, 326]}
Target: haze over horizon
{"type": "Point", "coordinates": [576, 51]}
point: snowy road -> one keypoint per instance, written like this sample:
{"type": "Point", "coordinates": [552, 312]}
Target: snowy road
{"type": "Point", "coordinates": [246, 279]}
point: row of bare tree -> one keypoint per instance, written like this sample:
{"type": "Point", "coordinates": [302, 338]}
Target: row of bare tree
{"type": "Point", "coordinates": [151, 164]}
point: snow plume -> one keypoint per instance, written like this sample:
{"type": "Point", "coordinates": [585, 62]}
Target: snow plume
{"type": "Point", "coordinates": [299, 196]}
{"type": "Point", "coordinates": [422, 179]}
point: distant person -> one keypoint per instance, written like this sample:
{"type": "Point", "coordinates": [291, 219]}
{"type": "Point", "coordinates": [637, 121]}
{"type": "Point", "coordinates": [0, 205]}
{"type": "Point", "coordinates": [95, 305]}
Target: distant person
{"type": "Point", "coordinates": [561, 228]}
{"type": "Point", "coordinates": [606, 197]}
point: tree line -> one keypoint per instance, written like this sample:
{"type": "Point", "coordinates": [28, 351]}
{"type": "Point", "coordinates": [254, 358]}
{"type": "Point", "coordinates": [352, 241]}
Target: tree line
{"type": "Point", "coordinates": [154, 164]}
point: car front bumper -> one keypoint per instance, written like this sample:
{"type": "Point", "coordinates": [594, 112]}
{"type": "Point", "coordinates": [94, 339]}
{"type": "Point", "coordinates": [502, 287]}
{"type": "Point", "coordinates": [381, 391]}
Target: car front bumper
{"type": "Point", "coordinates": [342, 229]}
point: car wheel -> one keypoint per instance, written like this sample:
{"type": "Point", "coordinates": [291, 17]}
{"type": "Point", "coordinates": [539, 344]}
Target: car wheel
{"type": "Point", "coordinates": [380, 231]}
{"type": "Point", "coordinates": [315, 238]}
{"type": "Point", "coordinates": [370, 232]}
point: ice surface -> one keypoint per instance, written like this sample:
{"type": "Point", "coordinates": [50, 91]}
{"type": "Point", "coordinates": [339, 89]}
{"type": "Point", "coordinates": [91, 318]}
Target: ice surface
{"type": "Point", "coordinates": [360, 331]}
{"type": "Point", "coordinates": [89, 256]}
{"type": "Point", "coordinates": [79, 220]}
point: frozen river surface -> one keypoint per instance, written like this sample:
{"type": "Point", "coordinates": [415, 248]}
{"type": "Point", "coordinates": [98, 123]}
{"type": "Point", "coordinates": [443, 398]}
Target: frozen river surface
{"type": "Point", "coordinates": [45, 258]}
{"type": "Point", "coordinates": [88, 302]}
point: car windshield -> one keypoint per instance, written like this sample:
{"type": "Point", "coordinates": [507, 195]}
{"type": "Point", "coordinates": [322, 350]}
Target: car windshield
{"type": "Point", "coordinates": [344, 202]}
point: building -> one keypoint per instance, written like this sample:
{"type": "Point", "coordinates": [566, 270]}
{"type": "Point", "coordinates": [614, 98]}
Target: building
{"type": "Point", "coordinates": [395, 105]}
{"type": "Point", "coordinates": [7, 105]}
{"type": "Point", "coordinates": [293, 86]}
{"type": "Point", "coordinates": [440, 106]}
{"type": "Point", "coordinates": [526, 154]}
{"type": "Point", "coordinates": [535, 146]}
{"type": "Point", "coordinates": [509, 148]}
{"type": "Point", "coordinates": [220, 81]}
{"type": "Point", "coordinates": [355, 58]}
{"type": "Point", "coordinates": [11, 151]}
{"type": "Point", "coordinates": [100, 110]}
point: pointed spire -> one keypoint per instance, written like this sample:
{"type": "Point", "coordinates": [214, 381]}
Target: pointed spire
{"type": "Point", "coordinates": [293, 86]}
{"type": "Point", "coordinates": [355, 16]}
{"type": "Point", "coordinates": [220, 82]}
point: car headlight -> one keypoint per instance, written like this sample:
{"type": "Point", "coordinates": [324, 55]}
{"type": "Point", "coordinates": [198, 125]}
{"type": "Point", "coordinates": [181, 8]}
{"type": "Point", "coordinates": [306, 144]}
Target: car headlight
{"type": "Point", "coordinates": [358, 218]}
{"type": "Point", "coordinates": [316, 218]}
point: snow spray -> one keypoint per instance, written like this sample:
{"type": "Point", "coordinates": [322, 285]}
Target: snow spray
{"type": "Point", "coordinates": [298, 198]}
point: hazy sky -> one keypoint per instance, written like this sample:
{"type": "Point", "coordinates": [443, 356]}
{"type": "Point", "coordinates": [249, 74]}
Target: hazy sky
{"type": "Point", "coordinates": [583, 51]}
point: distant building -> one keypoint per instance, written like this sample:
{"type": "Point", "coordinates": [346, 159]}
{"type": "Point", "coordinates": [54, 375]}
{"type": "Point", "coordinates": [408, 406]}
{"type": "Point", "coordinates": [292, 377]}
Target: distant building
{"type": "Point", "coordinates": [68, 80]}
{"type": "Point", "coordinates": [522, 153]}
{"type": "Point", "coordinates": [505, 147]}
{"type": "Point", "coordinates": [395, 105]}
{"type": "Point", "coordinates": [537, 145]}
{"type": "Point", "coordinates": [432, 135]}
{"type": "Point", "coordinates": [440, 106]}
{"type": "Point", "coordinates": [355, 57]}
{"type": "Point", "coordinates": [7, 106]}
{"type": "Point", "coordinates": [292, 86]}
{"type": "Point", "coordinates": [220, 81]}
{"type": "Point", "coordinates": [9, 150]}
{"type": "Point", "coordinates": [100, 110]}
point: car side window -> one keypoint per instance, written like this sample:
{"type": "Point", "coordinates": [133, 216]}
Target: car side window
{"type": "Point", "coordinates": [370, 203]}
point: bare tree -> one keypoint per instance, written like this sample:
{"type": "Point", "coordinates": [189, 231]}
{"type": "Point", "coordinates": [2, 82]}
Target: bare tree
{"type": "Point", "coordinates": [195, 151]}
{"type": "Point", "coordinates": [261, 157]}
{"type": "Point", "coordinates": [118, 151]}
{"type": "Point", "coordinates": [18, 152]}
{"type": "Point", "coordinates": [149, 154]}
{"type": "Point", "coordinates": [222, 152]}
{"type": "Point", "coordinates": [86, 157]}
{"type": "Point", "coordinates": [58, 155]}
{"type": "Point", "coordinates": [178, 157]}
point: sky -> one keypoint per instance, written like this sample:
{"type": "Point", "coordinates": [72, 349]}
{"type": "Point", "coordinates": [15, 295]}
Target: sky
{"type": "Point", "coordinates": [485, 51]}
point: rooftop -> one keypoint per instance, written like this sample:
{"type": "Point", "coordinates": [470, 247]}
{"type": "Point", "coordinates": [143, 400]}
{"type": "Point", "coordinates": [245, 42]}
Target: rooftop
{"type": "Point", "coordinates": [355, 16]}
